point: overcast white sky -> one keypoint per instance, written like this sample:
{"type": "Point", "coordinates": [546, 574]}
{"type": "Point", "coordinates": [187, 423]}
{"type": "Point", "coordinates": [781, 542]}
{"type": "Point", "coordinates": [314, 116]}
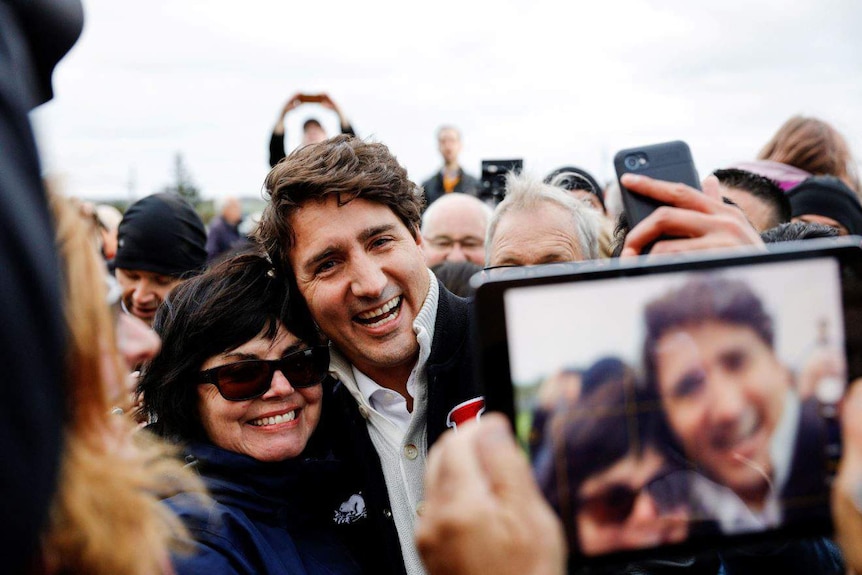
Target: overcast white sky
{"type": "Point", "coordinates": [552, 82]}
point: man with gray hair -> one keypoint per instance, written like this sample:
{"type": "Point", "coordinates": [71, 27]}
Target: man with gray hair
{"type": "Point", "coordinates": [538, 223]}
{"type": "Point", "coordinates": [453, 230]}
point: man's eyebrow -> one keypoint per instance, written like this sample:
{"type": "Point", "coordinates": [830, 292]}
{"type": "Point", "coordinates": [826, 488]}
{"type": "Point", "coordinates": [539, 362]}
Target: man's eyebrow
{"type": "Point", "coordinates": [323, 255]}
{"type": "Point", "coordinates": [554, 258]}
{"type": "Point", "coordinates": [452, 237]}
{"type": "Point", "coordinates": [364, 236]}
{"type": "Point", "coordinates": [369, 233]}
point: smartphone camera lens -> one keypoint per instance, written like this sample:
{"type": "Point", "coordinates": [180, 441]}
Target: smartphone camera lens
{"type": "Point", "coordinates": [634, 162]}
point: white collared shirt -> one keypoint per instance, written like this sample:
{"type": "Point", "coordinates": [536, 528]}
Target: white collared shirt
{"type": "Point", "coordinates": [723, 505]}
{"type": "Point", "coordinates": [388, 403]}
{"type": "Point", "coordinates": [399, 437]}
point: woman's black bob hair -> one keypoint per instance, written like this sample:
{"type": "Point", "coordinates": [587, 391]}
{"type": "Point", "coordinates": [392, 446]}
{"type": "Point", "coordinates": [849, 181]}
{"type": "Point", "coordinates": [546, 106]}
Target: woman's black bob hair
{"type": "Point", "coordinates": [228, 305]}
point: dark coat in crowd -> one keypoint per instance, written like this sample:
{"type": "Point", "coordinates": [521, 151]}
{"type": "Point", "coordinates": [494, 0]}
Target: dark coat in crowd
{"type": "Point", "coordinates": [433, 186]}
{"type": "Point", "coordinates": [222, 237]}
{"type": "Point", "coordinates": [34, 35]}
{"type": "Point", "coordinates": [451, 382]}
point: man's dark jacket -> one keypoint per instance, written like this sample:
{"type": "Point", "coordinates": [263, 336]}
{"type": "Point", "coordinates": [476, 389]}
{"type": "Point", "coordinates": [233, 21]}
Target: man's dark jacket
{"type": "Point", "coordinates": [450, 370]}
{"type": "Point", "coordinates": [222, 238]}
{"type": "Point", "coordinates": [433, 186]}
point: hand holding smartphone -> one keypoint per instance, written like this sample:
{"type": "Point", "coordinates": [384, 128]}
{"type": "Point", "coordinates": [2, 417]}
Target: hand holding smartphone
{"type": "Point", "coordinates": [664, 175]}
{"type": "Point", "coordinates": [669, 161]}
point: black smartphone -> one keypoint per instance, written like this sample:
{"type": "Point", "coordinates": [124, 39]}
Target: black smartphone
{"type": "Point", "coordinates": [676, 406]}
{"type": "Point", "coordinates": [669, 161]}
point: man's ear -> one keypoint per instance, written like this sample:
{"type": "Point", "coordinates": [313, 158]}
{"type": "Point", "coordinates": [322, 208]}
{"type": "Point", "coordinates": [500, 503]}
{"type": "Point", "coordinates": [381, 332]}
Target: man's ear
{"type": "Point", "coordinates": [417, 234]}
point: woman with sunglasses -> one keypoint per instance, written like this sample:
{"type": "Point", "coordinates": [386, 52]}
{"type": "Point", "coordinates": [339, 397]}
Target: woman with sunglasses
{"type": "Point", "coordinates": [607, 477]}
{"type": "Point", "coordinates": [239, 383]}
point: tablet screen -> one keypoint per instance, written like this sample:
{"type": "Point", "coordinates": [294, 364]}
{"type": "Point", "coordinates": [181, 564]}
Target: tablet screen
{"type": "Point", "coordinates": [670, 408]}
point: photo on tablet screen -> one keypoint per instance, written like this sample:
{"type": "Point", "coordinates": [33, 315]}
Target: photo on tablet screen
{"type": "Point", "coordinates": [660, 409]}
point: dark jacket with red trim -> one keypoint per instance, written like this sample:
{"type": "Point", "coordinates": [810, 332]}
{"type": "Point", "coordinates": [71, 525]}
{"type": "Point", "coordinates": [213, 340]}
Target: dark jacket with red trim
{"type": "Point", "coordinates": [451, 381]}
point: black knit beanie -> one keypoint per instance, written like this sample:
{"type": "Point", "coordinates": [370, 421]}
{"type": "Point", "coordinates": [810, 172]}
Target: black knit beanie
{"type": "Point", "coordinates": [163, 234]}
{"type": "Point", "coordinates": [582, 180]}
{"type": "Point", "coordinates": [827, 196]}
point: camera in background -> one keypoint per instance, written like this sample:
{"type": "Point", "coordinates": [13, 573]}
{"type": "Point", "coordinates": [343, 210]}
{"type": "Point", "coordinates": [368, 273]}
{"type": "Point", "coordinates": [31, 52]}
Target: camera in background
{"type": "Point", "coordinates": [492, 186]}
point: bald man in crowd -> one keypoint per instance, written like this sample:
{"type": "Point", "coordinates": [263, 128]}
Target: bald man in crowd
{"type": "Point", "coordinates": [538, 224]}
{"type": "Point", "coordinates": [454, 229]}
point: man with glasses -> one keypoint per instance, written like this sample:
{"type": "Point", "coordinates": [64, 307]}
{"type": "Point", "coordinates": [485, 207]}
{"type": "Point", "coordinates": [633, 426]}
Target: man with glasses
{"type": "Point", "coordinates": [453, 230]}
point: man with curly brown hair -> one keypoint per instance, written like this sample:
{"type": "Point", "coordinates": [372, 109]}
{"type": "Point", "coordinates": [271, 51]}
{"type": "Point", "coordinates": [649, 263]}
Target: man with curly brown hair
{"type": "Point", "coordinates": [342, 227]}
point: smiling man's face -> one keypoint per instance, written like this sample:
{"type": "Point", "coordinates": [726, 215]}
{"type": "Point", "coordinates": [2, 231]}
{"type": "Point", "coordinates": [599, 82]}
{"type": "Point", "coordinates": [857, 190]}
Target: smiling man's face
{"type": "Point", "coordinates": [723, 390]}
{"type": "Point", "coordinates": [364, 278]}
{"type": "Point", "coordinates": [144, 291]}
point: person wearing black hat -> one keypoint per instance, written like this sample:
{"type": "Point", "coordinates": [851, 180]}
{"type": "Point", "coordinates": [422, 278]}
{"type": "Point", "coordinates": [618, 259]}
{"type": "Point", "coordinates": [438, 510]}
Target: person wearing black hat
{"type": "Point", "coordinates": [579, 183]}
{"type": "Point", "coordinates": [161, 241]}
{"type": "Point", "coordinates": [827, 200]}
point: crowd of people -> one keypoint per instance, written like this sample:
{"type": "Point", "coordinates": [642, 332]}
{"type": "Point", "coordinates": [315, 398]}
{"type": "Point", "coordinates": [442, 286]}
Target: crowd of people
{"type": "Point", "coordinates": [304, 399]}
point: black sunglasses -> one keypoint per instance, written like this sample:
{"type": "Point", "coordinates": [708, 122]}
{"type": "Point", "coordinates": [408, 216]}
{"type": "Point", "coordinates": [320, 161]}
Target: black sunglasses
{"type": "Point", "coordinates": [668, 489]}
{"type": "Point", "coordinates": [252, 378]}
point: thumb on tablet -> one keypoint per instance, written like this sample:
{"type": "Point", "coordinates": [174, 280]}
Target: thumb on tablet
{"type": "Point", "coordinates": [505, 466]}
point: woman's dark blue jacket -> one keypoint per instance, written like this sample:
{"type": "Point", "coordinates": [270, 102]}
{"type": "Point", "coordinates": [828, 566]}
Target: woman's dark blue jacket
{"type": "Point", "coordinates": [263, 517]}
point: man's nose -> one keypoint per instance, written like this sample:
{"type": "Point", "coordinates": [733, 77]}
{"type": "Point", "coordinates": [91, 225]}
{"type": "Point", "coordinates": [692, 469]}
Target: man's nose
{"type": "Point", "coordinates": [143, 292]}
{"type": "Point", "coordinates": [726, 400]}
{"type": "Point", "coordinates": [368, 280]}
{"type": "Point", "coordinates": [456, 254]}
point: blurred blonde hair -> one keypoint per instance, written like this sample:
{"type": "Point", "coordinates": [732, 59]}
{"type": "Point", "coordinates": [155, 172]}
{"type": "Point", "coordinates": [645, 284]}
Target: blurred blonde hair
{"type": "Point", "coordinates": [106, 516]}
{"type": "Point", "coordinates": [814, 146]}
